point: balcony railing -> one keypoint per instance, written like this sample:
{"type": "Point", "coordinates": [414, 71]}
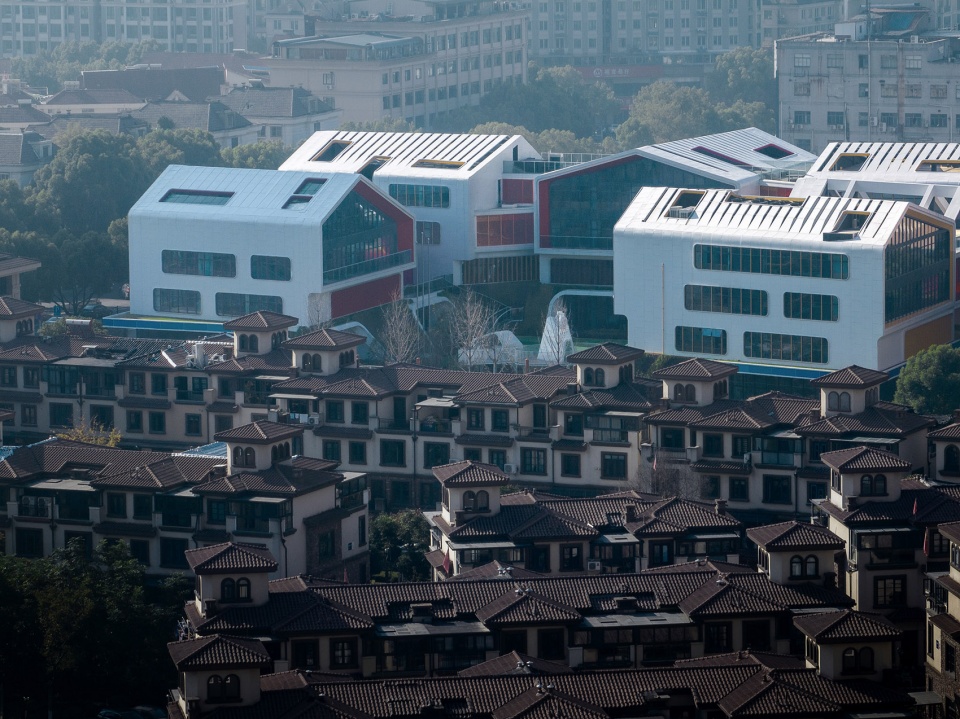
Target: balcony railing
{"type": "Point", "coordinates": [185, 395]}
{"type": "Point", "coordinates": [435, 425]}
{"type": "Point", "coordinates": [40, 508]}
{"type": "Point", "coordinates": [338, 274]}
{"type": "Point", "coordinates": [783, 459]}
{"type": "Point", "coordinates": [671, 454]}
{"type": "Point", "coordinates": [621, 436]}
{"type": "Point", "coordinates": [533, 432]}
{"type": "Point", "coordinates": [386, 424]}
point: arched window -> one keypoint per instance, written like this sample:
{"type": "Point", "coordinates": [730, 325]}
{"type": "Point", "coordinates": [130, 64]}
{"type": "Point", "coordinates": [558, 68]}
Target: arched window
{"type": "Point", "coordinates": [306, 362]}
{"type": "Point", "coordinates": [243, 343]}
{"type": "Point", "coordinates": [600, 378]}
{"type": "Point", "coordinates": [286, 450]}
{"type": "Point", "coordinates": [243, 589]}
{"type": "Point", "coordinates": [275, 340]}
{"type": "Point", "coordinates": [691, 393]}
{"type": "Point", "coordinates": [833, 401]}
{"type": "Point", "coordinates": [317, 363]}
{"type": "Point", "coordinates": [274, 453]}
{"type": "Point", "coordinates": [850, 659]}
{"type": "Point", "coordinates": [250, 457]}
{"type": "Point", "coordinates": [678, 392]}
{"type": "Point", "coordinates": [866, 485]}
{"type": "Point", "coordinates": [844, 401]}
{"type": "Point", "coordinates": [588, 377]}
{"type": "Point", "coordinates": [228, 590]}
{"type": "Point", "coordinates": [866, 659]}
{"type": "Point", "coordinates": [880, 485]}
{"type": "Point", "coordinates": [626, 373]}
{"type": "Point", "coordinates": [254, 343]}
{"type": "Point", "coordinates": [231, 687]}
{"type": "Point", "coordinates": [238, 456]}
{"type": "Point", "coordinates": [469, 501]}
{"type": "Point", "coordinates": [215, 688]}
{"type": "Point", "coordinates": [951, 458]}
{"type": "Point", "coordinates": [796, 566]}
{"type": "Point", "coordinates": [812, 566]}
{"type": "Point", "coordinates": [483, 500]}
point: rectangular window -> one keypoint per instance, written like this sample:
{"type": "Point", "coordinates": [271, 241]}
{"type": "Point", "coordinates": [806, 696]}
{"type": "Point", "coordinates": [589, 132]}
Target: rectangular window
{"type": "Point", "coordinates": [196, 197]}
{"type": "Point", "coordinates": [232, 304]}
{"type": "Point", "coordinates": [359, 412]}
{"type": "Point", "coordinates": [794, 348]}
{"type": "Point", "coordinates": [701, 340]}
{"type": "Point", "coordinates": [428, 233]}
{"type": "Point", "coordinates": [712, 445]}
{"type": "Point", "coordinates": [184, 302]}
{"type": "Point", "coordinates": [31, 377]}
{"type": "Point", "coordinates": [193, 425]}
{"type": "Point", "coordinates": [739, 489]}
{"type": "Point", "coordinates": [570, 465]}
{"type": "Point", "coordinates": [533, 461]}
{"type": "Point", "coordinates": [358, 452]}
{"type": "Point", "coordinates": [142, 506]}
{"type": "Point", "coordinates": [777, 489]}
{"type": "Point", "coordinates": [331, 449]}
{"type": "Point", "coordinates": [207, 264]}
{"type": "Point", "coordinates": [172, 553]}
{"type": "Point", "coordinates": [497, 457]}
{"type": "Point", "coordinates": [435, 454]}
{"type": "Point", "coordinates": [29, 543]}
{"type": "Point", "coordinates": [421, 195]}
{"type": "Point", "coordinates": [726, 258]}
{"type": "Point", "coordinates": [134, 420]}
{"type": "Point", "coordinates": [475, 420]}
{"type": "Point", "coordinates": [28, 415]}
{"type": "Point", "coordinates": [393, 453]}
{"type": "Point", "coordinates": [334, 408]}
{"type": "Point", "coordinates": [101, 415]}
{"type": "Point", "coordinates": [499, 420]}
{"type": "Point", "coordinates": [158, 423]}
{"type": "Point", "coordinates": [889, 592]}
{"type": "Point", "coordinates": [116, 505]}
{"type": "Point", "coordinates": [343, 653]}
{"type": "Point", "coordinates": [216, 511]}
{"type": "Point", "coordinates": [137, 383]}
{"type": "Point", "coordinates": [613, 465]}
{"type": "Point", "coordinates": [728, 300]}
{"type": "Point", "coordinates": [801, 117]}
{"type": "Point", "coordinates": [61, 415]}
{"type": "Point", "coordinates": [816, 490]}
{"type": "Point", "coordinates": [140, 550]}
{"type": "Point", "coordinates": [8, 376]}
{"type": "Point", "coordinates": [802, 306]}
{"type": "Point", "coordinates": [710, 487]}
{"type": "Point", "coordinates": [835, 118]}
{"type": "Point", "coordinates": [717, 637]}
{"type": "Point", "coordinates": [265, 267]}
{"type": "Point", "coordinates": [158, 384]}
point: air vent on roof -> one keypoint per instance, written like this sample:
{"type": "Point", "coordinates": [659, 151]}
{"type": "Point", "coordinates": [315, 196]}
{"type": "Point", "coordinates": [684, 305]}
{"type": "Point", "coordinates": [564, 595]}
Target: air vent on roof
{"type": "Point", "coordinates": [682, 213]}
{"type": "Point", "coordinates": [684, 204]}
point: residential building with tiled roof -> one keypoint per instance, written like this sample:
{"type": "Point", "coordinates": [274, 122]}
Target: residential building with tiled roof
{"type": "Point", "coordinates": [22, 154]}
{"type": "Point", "coordinates": [796, 551]}
{"type": "Point", "coordinates": [286, 114]}
{"type": "Point", "coordinates": [72, 100]}
{"type": "Point", "coordinates": [661, 615]}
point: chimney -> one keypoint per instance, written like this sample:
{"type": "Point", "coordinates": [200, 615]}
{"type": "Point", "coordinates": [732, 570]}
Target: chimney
{"type": "Point", "coordinates": [526, 365]}
{"type": "Point", "coordinates": [571, 388]}
{"type": "Point", "coordinates": [631, 513]}
{"type": "Point", "coordinates": [720, 506]}
{"type": "Point", "coordinates": [815, 413]}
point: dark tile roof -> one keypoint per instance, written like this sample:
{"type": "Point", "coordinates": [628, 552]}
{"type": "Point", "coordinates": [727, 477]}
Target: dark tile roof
{"type": "Point", "coordinates": [231, 557]}
{"type": "Point", "coordinates": [521, 607]}
{"type": "Point", "coordinates": [515, 663]}
{"type": "Point", "coordinates": [882, 420]}
{"type": "Point", "coordinates": [846, 626]}
{"type": "Point", "coordinates": [277, 362]}
{"type": "Point", "coordinates": [864, 459]}
{"type": "Point", "coordinates": [495, 570]}
{"type": "Point", "coordinates": [470, 474]}
{"type": "Point", "coordinates": [516, 391]}
{"type": "Point", "coordinates": [261, 320]}
{"type": "Point", "coordinates": [851, 377]}
{"type": "Point", "coordinates": [254, 102]}
{"type": "Point", "coordinates": [325, 339]}
{"type": "Point", "coordinates": [218, 651]}
{"type": "Point", "coordinates": [696, 369]}
{"type": "Point", "coordinates": [624, 398]}
{"type": "Point", "coordinates": [721, 466]}
{"type": "Point", "coordinates": [79, 96]}
{"type": "Point", "coordinates": [759, 413]}
{"type": "Point", "coordinates": [950, 530]}
{"type": "Point", "coordinates": [16, 148]}
{"type": "Point", "coordinates": [607, 353]}
{"type": "Point", "coordinates": [935, 505]}
{"type": "Point", "coordinates": [21, 114]}
{"type": "Point", "coordinates": [279, 480]}
{"type": "Point", "coordinates": [114, 124]}
{"type": "Point", "coordinates": [206, 116]}
{"type": "Point", "coordinates": [686, 414]}
{"type": "Point", "coordinates": [158, 83]}
{"type": "Point", "coordinates": [259, 432]}
{"type": "Point", "coordinates": [951, 431]}
{"type": "Point", "coordinates": [788, 536]}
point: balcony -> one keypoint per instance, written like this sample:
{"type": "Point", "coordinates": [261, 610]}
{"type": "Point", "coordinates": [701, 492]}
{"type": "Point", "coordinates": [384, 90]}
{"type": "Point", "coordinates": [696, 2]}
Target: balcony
{"type": "Point", "coordinates": [612, 436]}
{"type": "Point", "coordinates": [533, 434]}
{"type": "Point", "coordinates": [387, 425]}
{"type": "Point", "coordinates": [34, 507]}
{"type": "Point", "coordinates": [185, 395]}
{"type": "Point", "coordinates": [780, 459]}
{"type": "Point", "coordinates": [435, 425]}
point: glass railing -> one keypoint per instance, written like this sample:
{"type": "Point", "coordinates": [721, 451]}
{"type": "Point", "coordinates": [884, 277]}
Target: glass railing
{"type": "Point", "coordinates": [367, 267]}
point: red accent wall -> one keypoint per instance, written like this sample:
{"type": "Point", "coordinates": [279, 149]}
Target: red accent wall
{"type": "Point", "coordinates": [494, 230]}
{"type": "Point", "coordinates": [768, 191]}
{"type": "Point", "coordinates": [544, 192]}
{"type": "Point", "coordinates": [516, 192]}
{"type": "Point", "coordinates": [365, 295]}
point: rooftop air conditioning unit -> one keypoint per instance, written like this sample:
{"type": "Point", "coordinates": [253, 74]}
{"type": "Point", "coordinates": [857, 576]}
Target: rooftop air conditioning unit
{"type": "Point", "coordinates": [682, 213]}
{"type": "Point", "coordinates": [594, 566]}
{"type": "Point", "coordinates": [510, 468]}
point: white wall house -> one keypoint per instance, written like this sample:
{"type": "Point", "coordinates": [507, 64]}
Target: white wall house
{"type": "Point", "coordinates": [217, 243]}
{"type": "Point", "coordinates": [784, 284]}
{"type": "Point", "coordinates": [453, 185]}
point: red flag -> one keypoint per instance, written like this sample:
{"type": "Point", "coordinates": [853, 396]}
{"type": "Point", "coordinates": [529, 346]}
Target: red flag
{"type": "Point", "coordinates": [914, 506]}
{"type": "Point", "coordinates": [446, 562]}
{"type": "Point", "coordinates": [926, 543]}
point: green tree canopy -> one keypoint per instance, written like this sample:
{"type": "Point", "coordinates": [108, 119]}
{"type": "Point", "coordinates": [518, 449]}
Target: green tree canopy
{"type": "Point", "coordinates": [161, 148]}
{"type": "Point", "coordinates": [257, 155]}
{"type": "Point", "coordinates": [744, 74]}
{"type": "Point", "coordinates": [930, 381]}
{"type": "Point", "coordinates": [397, 544]}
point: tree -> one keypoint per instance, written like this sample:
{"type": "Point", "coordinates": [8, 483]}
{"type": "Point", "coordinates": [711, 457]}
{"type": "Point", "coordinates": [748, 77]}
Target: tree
{"type": "Point", "coordinates": [94, 178]}
{"type": "Point", "coordinates": [401, 333]}
{"type": "Point", "coordinates": [384, 124]}
{"type": "Point", "coordinates": [673, 112]}
{"type": "Point", "coordinates": [92, 433]}
{"type": "Point", "coordinates": [744, 75]}
{"type": "Point", "coordinates": [161, 148]}
{"type": "Point", "coordinates": [83, 268]}
{"type": "Point", "coordinates": [471, 323]}
{"type": "Point", "coordinates": [397, 544]}
{"type": "Point", "coordinates": [930, 381]}
{"type": "Point", "coordinates": [256, 155]}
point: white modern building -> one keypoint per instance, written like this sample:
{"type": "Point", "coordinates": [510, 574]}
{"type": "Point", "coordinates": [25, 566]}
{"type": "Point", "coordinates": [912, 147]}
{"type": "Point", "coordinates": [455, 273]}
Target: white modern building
{"type": "Point", "coordinates": [469, 214]}
{"type": "Point", "coordinates": [210, 244]}
{"type": "Point", "coordinates": [924, 173]}
{"type": "Point", "coordinates": [787, 286]}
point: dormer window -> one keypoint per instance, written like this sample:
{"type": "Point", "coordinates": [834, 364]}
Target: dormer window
{"type": "Point", "coordinates": [311, 362]}
{"type": "Point", "coordinates": [223, 689]}
{"type": "Point", "coordinates": [838, 401]}
{"type": "Point", "coordinates": [684, 393]}
{"type": "Point", "coordinates": [873, 485]}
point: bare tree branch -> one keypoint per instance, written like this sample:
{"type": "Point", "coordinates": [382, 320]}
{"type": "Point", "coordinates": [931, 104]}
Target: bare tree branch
{"type": "Point", "coordinates": [401, 334]}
